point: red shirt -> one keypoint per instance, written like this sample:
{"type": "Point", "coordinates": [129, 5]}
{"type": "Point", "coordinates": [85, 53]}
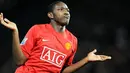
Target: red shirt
{"type": "Point", "coordinates": [47, 50]}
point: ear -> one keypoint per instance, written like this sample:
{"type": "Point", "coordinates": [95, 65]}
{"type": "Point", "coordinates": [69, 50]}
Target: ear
{"type": "Point", "coordinates": [50, 15]}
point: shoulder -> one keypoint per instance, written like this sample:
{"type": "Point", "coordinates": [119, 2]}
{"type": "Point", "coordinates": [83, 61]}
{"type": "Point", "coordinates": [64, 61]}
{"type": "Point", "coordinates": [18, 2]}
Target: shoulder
{"type": "Point", "coordinates": [74, 40]}
{"type": "Point", "coordinates": [72, 36]}
{"type": "Point", "coordinates": [38, 26]}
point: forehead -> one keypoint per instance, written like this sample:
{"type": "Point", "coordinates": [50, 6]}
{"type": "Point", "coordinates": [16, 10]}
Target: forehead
{"type": "Point", "coordinates": [61, 5]}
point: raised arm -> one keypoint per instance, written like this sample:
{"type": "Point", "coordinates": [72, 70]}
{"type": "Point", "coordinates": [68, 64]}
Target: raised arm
{"type": "Point", "coordinates": [18, 55]}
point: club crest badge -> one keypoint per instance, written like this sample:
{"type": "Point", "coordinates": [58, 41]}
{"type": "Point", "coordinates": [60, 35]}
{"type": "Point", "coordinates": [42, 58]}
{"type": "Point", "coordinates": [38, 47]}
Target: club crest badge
{"type": "Point", "coordinates": [67, 45]}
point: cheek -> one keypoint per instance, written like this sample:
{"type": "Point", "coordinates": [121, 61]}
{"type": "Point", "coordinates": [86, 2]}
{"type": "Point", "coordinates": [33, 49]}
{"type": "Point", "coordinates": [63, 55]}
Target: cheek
{"type": "Point", "coordinates": [58, 17]}
{"type": "Point", "coordinates": [59, 14]}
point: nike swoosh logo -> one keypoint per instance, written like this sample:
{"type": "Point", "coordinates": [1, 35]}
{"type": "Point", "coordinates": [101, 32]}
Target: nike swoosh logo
{"type": "Point", "coordinates": [44, 40]}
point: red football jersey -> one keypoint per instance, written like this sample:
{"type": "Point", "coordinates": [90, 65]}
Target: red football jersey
{"type": "Point", "coordinates": [47, 50]}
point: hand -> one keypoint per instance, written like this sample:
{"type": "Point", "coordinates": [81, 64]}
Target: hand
{"type": "Point", "coordinates": [93, 57]}
{"type": "Point", "coordinates": [7, 23]}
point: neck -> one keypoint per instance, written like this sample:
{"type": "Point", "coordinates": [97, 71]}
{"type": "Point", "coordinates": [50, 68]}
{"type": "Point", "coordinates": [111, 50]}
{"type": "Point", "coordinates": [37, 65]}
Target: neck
{"type": "Point", "coordinates": [58, 27]}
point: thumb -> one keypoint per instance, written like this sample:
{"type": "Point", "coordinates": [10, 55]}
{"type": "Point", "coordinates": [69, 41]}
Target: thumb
{"type": "Point", "coordinates": [1, 16]}
{"type": "Point", "coordinates": [94, 51]}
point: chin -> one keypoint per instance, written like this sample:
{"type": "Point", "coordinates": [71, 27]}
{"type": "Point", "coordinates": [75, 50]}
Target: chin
{"type": "Point", "coordinates": [64, 24]}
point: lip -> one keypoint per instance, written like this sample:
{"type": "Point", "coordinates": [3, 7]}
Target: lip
{"type": "Point", "coordinates": [67, 17]}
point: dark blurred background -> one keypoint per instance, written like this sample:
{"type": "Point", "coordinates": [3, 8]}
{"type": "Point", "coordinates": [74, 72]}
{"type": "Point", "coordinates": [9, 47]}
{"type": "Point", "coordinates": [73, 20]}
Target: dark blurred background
{"type": "Point", "coordinates": [100, 24]}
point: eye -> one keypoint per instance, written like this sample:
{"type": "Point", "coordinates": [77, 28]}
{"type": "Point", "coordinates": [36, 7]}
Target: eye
{"type": "Point", "coordinates": [60, 9]}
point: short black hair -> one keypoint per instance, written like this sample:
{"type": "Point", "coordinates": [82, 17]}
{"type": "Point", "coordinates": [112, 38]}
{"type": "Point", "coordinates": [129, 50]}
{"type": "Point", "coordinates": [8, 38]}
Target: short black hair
{"type": "Point", "coordinates": [52, 5]}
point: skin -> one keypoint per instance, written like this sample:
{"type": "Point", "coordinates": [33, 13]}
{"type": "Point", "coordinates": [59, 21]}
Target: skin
{"type": "Point", "coordinates": [59, 19]}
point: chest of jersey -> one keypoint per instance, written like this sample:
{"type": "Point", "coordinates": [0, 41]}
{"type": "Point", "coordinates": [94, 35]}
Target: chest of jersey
{"type": "Point", "coordinates": [52, 49]}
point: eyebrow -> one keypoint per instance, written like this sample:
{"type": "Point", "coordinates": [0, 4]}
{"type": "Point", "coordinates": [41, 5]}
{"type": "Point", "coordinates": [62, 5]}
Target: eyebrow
{"type": "Point", "coordinates": [65, 8]}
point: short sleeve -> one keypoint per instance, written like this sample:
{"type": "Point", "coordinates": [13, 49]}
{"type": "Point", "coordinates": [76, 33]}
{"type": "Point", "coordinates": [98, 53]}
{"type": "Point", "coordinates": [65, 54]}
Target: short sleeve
{"type": "Point", "coordinates": [70, 59]}
{"type": "Point", "coordinates": [28, 41]}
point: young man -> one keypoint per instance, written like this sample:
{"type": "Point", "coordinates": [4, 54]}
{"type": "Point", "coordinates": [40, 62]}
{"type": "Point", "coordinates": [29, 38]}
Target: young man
{"type": "Point", "coordinates": [48, 48]}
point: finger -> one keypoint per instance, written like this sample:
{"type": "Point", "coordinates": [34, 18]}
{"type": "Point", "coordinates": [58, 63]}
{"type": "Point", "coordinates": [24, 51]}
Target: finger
{"type": "Point", "coordinates": [94, 51]}
{"type": "Point", "coordinates": [109, 57]}
{"type": "Point", "coordinates": [3, 22]}
{"type": "Point", "coordinates": [1, 16]}
{"type": "Point", "coordinates": [8, 21]}
{"type": "Point", "coordinates": [103, 57]}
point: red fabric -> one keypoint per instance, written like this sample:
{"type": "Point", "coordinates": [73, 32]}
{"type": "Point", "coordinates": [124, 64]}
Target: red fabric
{"type": "Point", "coordinates": [47, 50]}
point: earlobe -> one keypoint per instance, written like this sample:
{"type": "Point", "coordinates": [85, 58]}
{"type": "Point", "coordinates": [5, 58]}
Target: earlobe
{"type": "Point", "coordinates": [50, 15]}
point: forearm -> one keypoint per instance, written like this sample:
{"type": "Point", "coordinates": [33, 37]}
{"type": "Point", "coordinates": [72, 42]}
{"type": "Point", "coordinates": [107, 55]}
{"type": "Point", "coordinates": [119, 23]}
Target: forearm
{"type": "Point", "coordinates": [18, 55]}
{"type": "Point", "coordinates": [75, 66]}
